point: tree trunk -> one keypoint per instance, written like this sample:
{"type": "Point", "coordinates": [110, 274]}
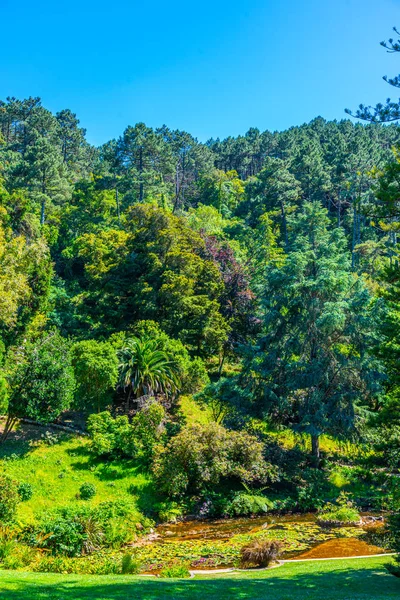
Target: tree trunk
{"type": "Point", "coordinates": [42, 213]}
{"type": "Point", "coordinates": [284, 225]}
{"type": "Point", "coordinates": [118, 207]}
{"type": "Point", "coordinates": [10, 422]}
{"type": "Point", "coordinates": [315, 449]}
{"type": "Point", "coordinates": [141, 175]}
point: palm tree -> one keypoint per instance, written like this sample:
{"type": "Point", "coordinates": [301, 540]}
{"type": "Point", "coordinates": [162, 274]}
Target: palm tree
{"type": "Point", "coordinates": [145, 369]}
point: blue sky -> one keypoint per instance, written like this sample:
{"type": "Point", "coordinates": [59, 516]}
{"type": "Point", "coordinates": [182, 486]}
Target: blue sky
{"type": "Point", "coordinates": [213, 68]}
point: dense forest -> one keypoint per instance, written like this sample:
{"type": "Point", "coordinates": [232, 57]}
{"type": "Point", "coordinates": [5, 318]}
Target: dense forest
{"type": "Point", "coordinates": [255, 278]}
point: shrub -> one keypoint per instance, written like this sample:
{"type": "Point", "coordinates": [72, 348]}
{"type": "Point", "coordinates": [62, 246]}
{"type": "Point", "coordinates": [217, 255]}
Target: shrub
{"type": "Point", "coordinates": [199, 456]}
{"type": "Point", "coordinates": [19, 557]}
{"type": "Point", "coordinates": [109, 436]}
{"type": "Point", "coordinates": [119, 438]}
{"type": "Point", "coordinates": [61, 533]}
{"type": "Point", "coordinates": [74, 531]}
{"type": "Point", "coordinates": [175, 571]}
{"type": "Point", "coordinates": [25, 491]}
{"type": "Point", "coordinates": [344, 511]}
{"type": "Point", "coordinates": [9, 499]}
{"type": "Point", "coordinates": [87, 491]}
{"type": "Point", "coordinates": [8, 542]}
{"type": "Point", "coordinates": [245, 504]}
{"type": "Point", "coordinates": [130, 564]}
{"type": "Point", "coordinates": [260, 553]}
{"type": "Point", "coordinates": [311, 487]}
{"type": "Point", "coordinates": [169, 511]}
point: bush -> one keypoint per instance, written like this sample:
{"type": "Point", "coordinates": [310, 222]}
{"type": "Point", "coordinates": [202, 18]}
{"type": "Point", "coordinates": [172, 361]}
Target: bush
{"type": "Point", "coordinates": [76, 531]}
{"type": "Point", "coordinates": [110, 437]}
{"type": "Point", "coordinates": [344, 511]}
{"type": "Point", "coordinates": [199, 456]}
{"type": "Point", "coordinates": [8, 543]}
{"type": "Point", "coordinates": [62, 533]}
{"type": "Point", "coordinates": [176, 571]}
{"type": "Point", "coordinates": [130, 564]}
{"type": "Point", "coordinates": [25, 491]}
{"type": "Point", "coordinates": [9, 499]}
{"type": "Point", "coordinates": [119, 438]}
{"type": "Point", "coordinates": [260, 553]}
{"type": "Point", "coordinates": [21, 556]}
{"type": "Point", "coordinates": [312, 488]}
{"type": "Point", "coordinates": [87, 491]}
{"type": "Point", "coordinates": [169, 512]}
{"type": "Point", "coordinates": [246, 504]}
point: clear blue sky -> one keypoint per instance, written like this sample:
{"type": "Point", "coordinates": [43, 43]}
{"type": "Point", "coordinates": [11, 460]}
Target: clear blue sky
{"type": "Point", "coordinates": [214, 68]}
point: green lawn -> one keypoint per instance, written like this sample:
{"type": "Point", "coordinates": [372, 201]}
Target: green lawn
{"type": "Point", "coordinates": [56, 473]}
{"type": "Point", "coordinates": [346, 579]}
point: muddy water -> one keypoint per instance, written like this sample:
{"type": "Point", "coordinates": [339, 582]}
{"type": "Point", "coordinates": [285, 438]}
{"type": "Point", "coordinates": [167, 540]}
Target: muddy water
{"type": "Point", "coordinates": [224, 529]}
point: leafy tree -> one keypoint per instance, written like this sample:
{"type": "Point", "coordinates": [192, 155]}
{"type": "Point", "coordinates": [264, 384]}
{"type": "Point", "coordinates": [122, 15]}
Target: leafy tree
{"type": "Point", "coordinates": [201, 456]}
{"type": "Point", "coordinates": [96, 373]}
{"type": "Point", "coordinates": [145, 369]}
{"type": "Point", "coordinates": [25, 271]}
{"type": "Point", "coordinates": [42, 382]}
{"type": "Point", "coordinates": [313, 365]}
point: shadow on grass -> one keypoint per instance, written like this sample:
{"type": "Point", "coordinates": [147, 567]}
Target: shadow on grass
{"type": "Point", "coordinates": [339, 584]}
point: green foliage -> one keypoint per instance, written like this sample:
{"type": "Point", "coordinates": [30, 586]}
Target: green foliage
{"type": "Point", "coordinates": [87, 491]}
{"type": "Point", "coordinates": [75, 531]}
{"type": "Point", "coordinates": [96, 373]}
{"type": "Point", "coordinates": [170, 511]}
{"type": "Point", "coordinates": [145, 369]}
{"type": "Point", "coordinates": [43, 381]}
{"type": "Point", "coordinates": [130, 565]}
{"type": "Point", "coordinates": [9, 499]}
{"type": "Point", "coordinates": [200, 456]}
{"type": "Point", "coordinates": [117, 437]}
{"type": "Point", "coordinates": [109, 436]}
{"type": "Point", "coordinates": [246, 504]}
{"type": "Point", "coordinates": [343, 511]}
{"type": "Point", "coordinates": [175, 571]}
{"type": "Point", "coordinates": [25, 491]}
{"type": "Point", "coordinates": [314, 363]}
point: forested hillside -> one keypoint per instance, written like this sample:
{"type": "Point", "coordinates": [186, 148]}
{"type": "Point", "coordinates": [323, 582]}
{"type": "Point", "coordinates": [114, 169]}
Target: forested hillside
{"type": "Point", "coordinates": [225, 314]}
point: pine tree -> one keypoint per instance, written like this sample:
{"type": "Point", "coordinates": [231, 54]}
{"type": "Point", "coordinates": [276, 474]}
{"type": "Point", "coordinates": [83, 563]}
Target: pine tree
{"type": "Point", "coordinates": [312, 366]}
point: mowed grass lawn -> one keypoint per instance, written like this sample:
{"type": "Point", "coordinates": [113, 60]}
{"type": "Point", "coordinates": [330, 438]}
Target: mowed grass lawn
{"type": "Point", "coordinates": [347, 579]}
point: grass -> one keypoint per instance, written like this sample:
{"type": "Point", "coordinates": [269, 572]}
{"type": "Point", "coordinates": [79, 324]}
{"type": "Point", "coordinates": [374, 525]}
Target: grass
{"type": "Point", "coordinates": [347, 579]}
{"type": "Point", "coordinates": [56, 473]}
{"type": "Point", "coordinates": [193, 412]}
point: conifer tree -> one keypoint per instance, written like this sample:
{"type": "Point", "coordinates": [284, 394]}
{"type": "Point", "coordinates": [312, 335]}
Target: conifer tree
{"type": "Point", "coordinates": [312, 367]}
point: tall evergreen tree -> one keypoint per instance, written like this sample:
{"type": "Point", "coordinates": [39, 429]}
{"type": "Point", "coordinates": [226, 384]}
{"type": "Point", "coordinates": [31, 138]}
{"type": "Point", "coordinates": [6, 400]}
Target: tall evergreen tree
{"type": "Point", "coordinates": [312, 366]}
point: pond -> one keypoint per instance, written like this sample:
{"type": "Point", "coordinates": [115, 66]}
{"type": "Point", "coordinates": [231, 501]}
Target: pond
{"type": "Point", "coordinates": [213, 544]}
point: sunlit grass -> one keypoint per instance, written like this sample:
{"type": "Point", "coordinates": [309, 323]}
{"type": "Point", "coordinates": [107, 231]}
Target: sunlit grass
{"type": "Point", "coordinates": [347, 579]}
{"type": "Point", "coordinates": [56, 473]}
